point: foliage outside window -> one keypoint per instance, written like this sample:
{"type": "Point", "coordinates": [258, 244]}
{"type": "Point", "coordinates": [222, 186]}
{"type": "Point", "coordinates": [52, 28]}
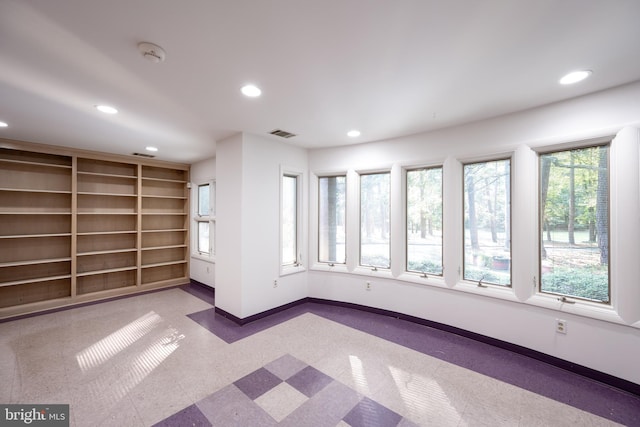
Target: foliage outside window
{"type": "Point", "coordinates": [574, 223]}
{"type": "Point", "coordinates": [487, 222]}
{"type": "Point", "coordinates": [205, 220]}
{"type": "Point", "coordinates": [289, 220]}
{"type": "Point", "coordinates": [331, 219]}
{"type": "Point", "coordinates": [374, 220]}
{"type": "Point", "coordinates": [424, 220]}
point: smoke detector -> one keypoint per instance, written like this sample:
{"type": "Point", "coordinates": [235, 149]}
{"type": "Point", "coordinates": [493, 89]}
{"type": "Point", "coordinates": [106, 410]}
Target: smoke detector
{"type": "Point", "coordinates": [151, 52]}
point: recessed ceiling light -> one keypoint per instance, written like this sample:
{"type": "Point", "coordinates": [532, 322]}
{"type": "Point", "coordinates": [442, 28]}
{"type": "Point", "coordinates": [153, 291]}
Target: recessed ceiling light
{"type": "Point", "coordinates": [106, 109]}
{"type": "Point", "coordinates": [251, 91]}
{"type": "Point", "coordinates": [3, 125]}
{"type": "Point", "coordinates": [353, 133]}
{"type": "Point", "coordinates": [575, 77]}
{"type": "Point", "coordinates": [150, 148]}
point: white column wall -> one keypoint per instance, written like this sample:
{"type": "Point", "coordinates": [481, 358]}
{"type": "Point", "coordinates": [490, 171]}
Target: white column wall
{"type": "Point", "coordinates": [229, 208]}
{"type": "Point", "coordinates": [263, 159]}
{"type": "Point", "coordinates": [247, 219]}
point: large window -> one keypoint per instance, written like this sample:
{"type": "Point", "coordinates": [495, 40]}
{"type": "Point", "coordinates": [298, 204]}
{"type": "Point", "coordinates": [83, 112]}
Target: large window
{"type": "Point", "coordinates": [374, 220]}
{"type": "Point", "coordinates": [331, 219]}
{"type": "Point", "coordinates": [290, 220]}
{"type": "Point", "coordinates": [205, 220]}
{"type": "Point", "coordinates": [487, 222]}
{"type": "Point", "coordinates": [424, 220]}
{"type": "Point", "coordinates": [574, 223]}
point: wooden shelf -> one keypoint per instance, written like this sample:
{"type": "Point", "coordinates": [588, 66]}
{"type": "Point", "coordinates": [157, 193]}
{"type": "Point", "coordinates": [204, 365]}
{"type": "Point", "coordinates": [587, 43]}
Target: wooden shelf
{"type": "Point", "coordinates": [164, 230]}
{"type": "Point", "coordinates": [180, 181]}
{"type": "Point", "coordinates": [33, 236]}
{"type": "Point", "coordinates": [112, 251]}
{"type": "Point", "coordinates": [162, 264]}
{"type": "Point", "coordinates": [107, 213]}
{"type": "Point", "coordinates": [35, 280]}
{"type": "Point", "coordinates": [99, 233]}
{"type": "Point", "coordinates": [32, 190]}
{"type": "Point", "coordinates": [153, 248]}
{"type": "Point", "coordinates": [106, 271]}
{"type": "Point", "coordinates": [33, 262]}
{"type": "Point", "coordinates": [111, 175]}
{"type": "Point", "coordinates": [33, 213]}
{"type": "Point", "coordinates": [35, 164]}
{"type": "Point", "coordinates": [153, 196]}
{"type": "Point", "coordinates": [86, 193]}
{"type": "Point", "coordinates": [164, 214]}
{"type": "Point", "coordinates": [88, 226]}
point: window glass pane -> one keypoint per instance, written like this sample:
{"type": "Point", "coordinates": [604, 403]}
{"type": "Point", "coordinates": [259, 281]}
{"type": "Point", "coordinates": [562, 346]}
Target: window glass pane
{"type": "Point", "coordinates": [203, 237]}
{"type": "Point", "coordinates": [203, 200]}
{"type": "Point", "coordinates": [487, 212]}
{"type": "Point", "coordinates": [424, 221]}
{"type": "Point", "coordinates": [574, 223]}
{"type": "Point", "coordinates": [289, 220]}
{"type": "Point", "coordinates": [374, 220]}
{"type": "Point", "coordinates": [331, 219]}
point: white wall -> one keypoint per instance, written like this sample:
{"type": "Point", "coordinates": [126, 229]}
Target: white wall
{"type": "Point", "coordinates": [604, 339]}
{"type": "Point", "coordinates": [201, 269]}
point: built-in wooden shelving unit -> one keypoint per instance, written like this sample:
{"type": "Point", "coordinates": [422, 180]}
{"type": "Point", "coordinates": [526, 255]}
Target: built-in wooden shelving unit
{"type": "Point", "coordinates": [81, 226]}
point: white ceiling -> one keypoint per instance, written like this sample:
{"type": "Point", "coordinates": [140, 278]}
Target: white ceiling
{"type": "Point", "coordinates": [386, 67]}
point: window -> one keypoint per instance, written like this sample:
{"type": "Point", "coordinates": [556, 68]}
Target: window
{"type": "Point", "coordinates": [374, 220]}
{"type": "Point", "coordinates": [290, 220]}
{"type": "Point", "coordinates": [331, 219]}
{"type": "Point", "coordinates": [424, 220]}
{"type": "Point", "coordinates": [574, 223]}
{"type": "Point", "coordinates": [487, 212]}
{"type": "Point", "coordinates": [205, 220]}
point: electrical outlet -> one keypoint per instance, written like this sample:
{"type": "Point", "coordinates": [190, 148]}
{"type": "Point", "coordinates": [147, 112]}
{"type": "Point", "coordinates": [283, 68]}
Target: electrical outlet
{"type": "Point", "coordinates": [561, 326]}
{"type": "Point", "coordinates": [275, 283]}
{"type": "Point", "coordinates": [368, 286]}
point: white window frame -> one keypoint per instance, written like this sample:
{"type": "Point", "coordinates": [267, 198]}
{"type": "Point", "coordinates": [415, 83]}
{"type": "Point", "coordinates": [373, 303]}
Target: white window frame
{"type": "Point", "coordinates": [298, 265]}
{"type": "Point", "coordinates": [481, 283]}
{"type": "Point", "coordinates": [405, 199]}
{"type": "Point", "coordinates": [197, 218]}
{"type": "Point", "coordinates": [317, 212]}
{"type": "Point", "coordinates": [572, 298]}
{"type": "Point", "coordinates": [360, 268]}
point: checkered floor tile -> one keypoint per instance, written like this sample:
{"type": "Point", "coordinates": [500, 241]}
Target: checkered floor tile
{"type": "Point", "coordinates": [287, 392]}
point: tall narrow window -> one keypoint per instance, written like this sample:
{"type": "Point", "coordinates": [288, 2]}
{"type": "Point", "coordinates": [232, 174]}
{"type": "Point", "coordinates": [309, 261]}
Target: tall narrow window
{"type": "Point", "coordinates": [574, 223]}
{"type": "Point", "coordinates": [424, 220]}
{"type": "Point", "coordinates": [205, 219]}
{"type": "Point", "coordinates": [374, 220]}
{"type": "Point", "coordinates": [331, 219]}
{"type": "Point", "coordinates": [487, 222]}
{"type": "Point", "coordinates": [289, 220]}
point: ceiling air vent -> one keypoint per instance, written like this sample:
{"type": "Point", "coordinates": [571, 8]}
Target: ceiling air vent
{"type": "Point", "coordinates": [282, 133]}
{"type": "Point", "coordinates": [148, 156]}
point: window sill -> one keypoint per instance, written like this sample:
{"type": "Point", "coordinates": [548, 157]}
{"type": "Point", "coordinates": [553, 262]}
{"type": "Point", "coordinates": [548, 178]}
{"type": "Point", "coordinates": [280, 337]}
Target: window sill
{"type": "Point", "coordinates": [336, 268]}
{"type": "Point", "coordinates": [369, 271]}
{"type": "Point", "coordinates": [580, 308]}
{"type": "Point", "coordinates": [436, 281]}
{"type": "Point", "coordinates": [488, 290]}
{"type": "Point", "coordinates": [291, 269]}
{"type": "Point", "coordinates": [205, 258]}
